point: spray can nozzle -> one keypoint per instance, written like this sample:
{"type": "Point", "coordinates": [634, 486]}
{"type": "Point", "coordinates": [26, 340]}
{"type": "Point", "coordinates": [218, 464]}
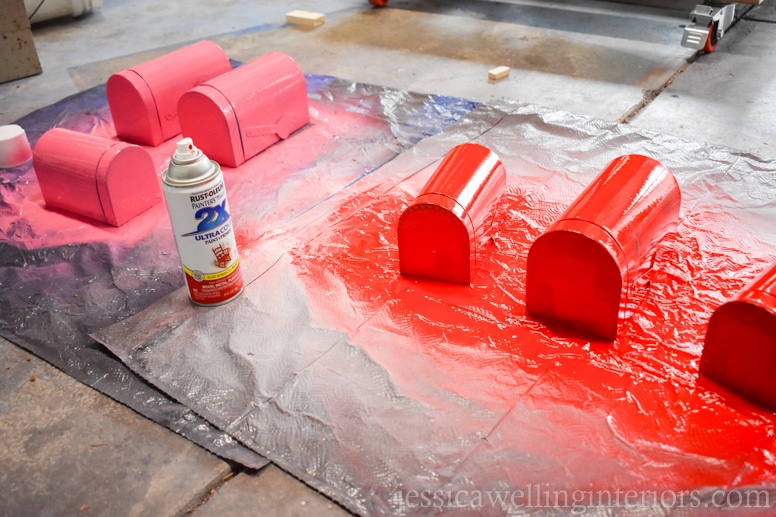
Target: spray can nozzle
{"type": "Point", "coordinates": [189, 165]}
{"type": "Point", "coordinates": [186, 151]}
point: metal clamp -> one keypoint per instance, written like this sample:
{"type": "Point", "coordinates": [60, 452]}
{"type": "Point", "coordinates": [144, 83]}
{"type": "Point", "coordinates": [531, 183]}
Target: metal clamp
{"type": "Point", "coordinates": [709, 24]}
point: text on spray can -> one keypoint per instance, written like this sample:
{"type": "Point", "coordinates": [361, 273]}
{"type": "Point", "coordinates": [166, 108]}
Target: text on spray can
{"type": "Point", "coordinates": [202, 223]}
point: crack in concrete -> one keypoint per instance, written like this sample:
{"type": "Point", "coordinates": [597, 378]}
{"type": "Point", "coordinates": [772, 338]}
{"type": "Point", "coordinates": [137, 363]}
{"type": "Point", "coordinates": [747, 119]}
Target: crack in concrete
{"type": "Point", "coordinates": [651, 95]}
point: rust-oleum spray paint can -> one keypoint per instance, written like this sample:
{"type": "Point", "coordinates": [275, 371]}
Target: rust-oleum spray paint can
{"type": "Point", "coordinates": [196, 199]}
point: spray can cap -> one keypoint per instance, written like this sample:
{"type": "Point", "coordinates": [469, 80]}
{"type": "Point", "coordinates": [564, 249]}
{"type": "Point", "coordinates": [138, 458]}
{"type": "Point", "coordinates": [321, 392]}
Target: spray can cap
{"type": "Point", "coordinates": [186, 151]}
{"type": "Point", "coordinates": [189, 165]}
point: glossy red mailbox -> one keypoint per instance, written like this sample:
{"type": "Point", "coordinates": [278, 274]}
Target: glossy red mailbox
{"type": "Point", "coordinates": [438, 231]}
{"type": "Point", "coordinates": [581, 269]}
{"type": "Point", "coordinates": [740, 348]}
{"type": "Point", "coordinates": [106, 180]}
{"type": "Point", "coordinates": [237, 115]}
{"type": "Point", "coordinates": [144, 99]}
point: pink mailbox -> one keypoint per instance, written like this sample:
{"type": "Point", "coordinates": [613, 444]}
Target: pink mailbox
{"type": "Point", "coordinates": [740, 348]}
{"type": "Point", "coordinates": [144, 99]}
{"type": "Point", "coordinates": [237, 115]}
{"type": "Point", "coordinates": [580, 270]}
{"type": "Point", "coordinates": [438, 232]}
{"type": "Point", "coordinates": [106, 180]}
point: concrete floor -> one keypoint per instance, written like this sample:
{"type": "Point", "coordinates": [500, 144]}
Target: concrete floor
{"type": "Point", "coordinates": [67, 449]}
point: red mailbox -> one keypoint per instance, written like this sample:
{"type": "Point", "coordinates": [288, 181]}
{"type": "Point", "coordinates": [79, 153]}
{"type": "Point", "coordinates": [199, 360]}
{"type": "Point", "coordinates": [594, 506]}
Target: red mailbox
{"type": "Point", "coordinates": [740, 348]}
{"type": "Point", "coordinates": [581, 269]}
{"type": "Point", "coordinates": [106, 180]}
{"type": "Point", "coordinates": [237, 115]}
{"type": "Point", "coordinates": [438, 231]}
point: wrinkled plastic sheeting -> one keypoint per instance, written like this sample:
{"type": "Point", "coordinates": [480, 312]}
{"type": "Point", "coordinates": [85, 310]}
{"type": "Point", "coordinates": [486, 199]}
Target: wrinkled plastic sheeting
{"type": "Point", "coordinates": [63, 276]}
{"type": "Point", "coordinates": [376, 388]}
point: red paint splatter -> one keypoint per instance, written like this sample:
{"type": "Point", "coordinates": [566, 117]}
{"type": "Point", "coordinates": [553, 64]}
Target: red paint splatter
{"type": "Point", "coordinates": [632, 413]}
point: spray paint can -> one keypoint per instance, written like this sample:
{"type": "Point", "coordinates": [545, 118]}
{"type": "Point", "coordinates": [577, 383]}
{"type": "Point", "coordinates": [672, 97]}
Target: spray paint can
{"type": "Point", "coordinates": [196, 199]}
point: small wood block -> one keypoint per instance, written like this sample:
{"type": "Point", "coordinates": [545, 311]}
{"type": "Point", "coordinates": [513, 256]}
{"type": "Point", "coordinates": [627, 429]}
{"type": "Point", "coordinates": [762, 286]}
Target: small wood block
{"type": "Point", "coordinates": [18, 57]}
{"type": "Point", "coordinates": [305, 18]}
{"type": "Point", "coordinates": [500, 72]}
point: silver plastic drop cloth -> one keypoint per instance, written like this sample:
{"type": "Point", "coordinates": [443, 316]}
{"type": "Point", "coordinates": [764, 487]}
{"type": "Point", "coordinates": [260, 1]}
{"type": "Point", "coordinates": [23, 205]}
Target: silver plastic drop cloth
{"type": "Point", "coordinates": [402, 397]}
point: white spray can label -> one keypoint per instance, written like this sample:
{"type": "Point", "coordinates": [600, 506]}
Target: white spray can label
{"type": "Point", "coordinates": [201, 220]}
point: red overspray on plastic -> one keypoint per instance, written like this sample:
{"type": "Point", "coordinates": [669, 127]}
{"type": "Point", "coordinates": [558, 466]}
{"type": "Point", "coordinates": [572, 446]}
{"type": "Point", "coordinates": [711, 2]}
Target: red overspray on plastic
{"type": "Point", "coordinates": [237, 115]}
{"type": "Point", "coordinates": [581, 271]}
{"type": "Point", "coordinates": [438, 232]}
{"type": "Point", "coordinates": [740, 347]}
{"type": "Point", "coordinates": [144, 98]}
{"type": "Point", "coordinates": [102, 179]}
{"type": "Point", "coordinates": [631, 414]}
